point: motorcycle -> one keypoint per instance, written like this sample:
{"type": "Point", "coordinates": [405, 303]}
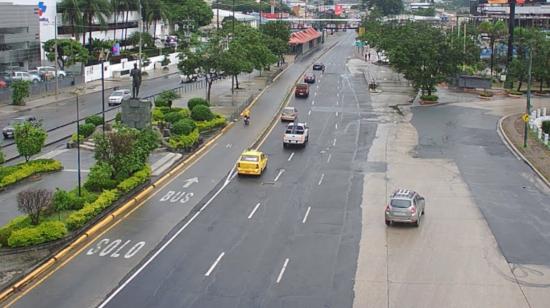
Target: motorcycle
{"type": "Point", "coordinates": [246, 121]}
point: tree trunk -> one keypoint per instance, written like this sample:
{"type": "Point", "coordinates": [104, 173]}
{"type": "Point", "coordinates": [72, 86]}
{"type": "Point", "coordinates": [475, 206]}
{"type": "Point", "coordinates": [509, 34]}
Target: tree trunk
{"type": "Point", "coordinates": [237, 82]}
{"type": "Point", "coordinates": [492, 56]}
{"type": "Point", "coordinates": [90, 27]}
{"type": "Point", "coordinates": [84, 31]}
{"type": "Point", "coordinates": [126, 31]}
{"type": "Point", "coordinates": [540, 86]}
{"type": "Point", "coordinates": [114, 30]}
{"type": "Point", "coordinates": [208, 88]}
{"type": "Point", "coordinates": [520, 83]}
{"type": "Point", "coordinates": [155, 30]}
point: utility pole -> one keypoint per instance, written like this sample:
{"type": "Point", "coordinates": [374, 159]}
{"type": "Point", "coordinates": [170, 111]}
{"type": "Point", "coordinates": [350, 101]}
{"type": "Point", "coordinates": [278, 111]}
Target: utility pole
{"type": "Point", "coordinates": [511, 24]}
{"type": "Point", "coordinates": [140, 27]}
{"type": "Point", "coordinates": [528, 107]}
{"type": "Point", "coordinates": [218, 15]}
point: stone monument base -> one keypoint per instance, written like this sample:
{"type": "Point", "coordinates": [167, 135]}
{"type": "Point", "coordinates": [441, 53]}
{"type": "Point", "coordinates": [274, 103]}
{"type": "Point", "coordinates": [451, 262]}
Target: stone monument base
{"type": "Point", "coordinates": [136, 113]}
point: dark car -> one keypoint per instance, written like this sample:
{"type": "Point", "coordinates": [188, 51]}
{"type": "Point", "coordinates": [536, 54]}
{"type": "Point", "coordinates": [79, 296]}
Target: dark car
{"type": "Point", "coordinates": [302, 90]}
{"type": "Point", "coordinates": [309, 78]}
{"type": "Point", "coordinates": [318, 67]}
{"type": "Point", "coordinates": [9, 131]}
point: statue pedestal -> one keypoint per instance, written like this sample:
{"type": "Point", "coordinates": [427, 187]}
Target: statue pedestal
{"type": "Point", "coordinates": [136, 113]}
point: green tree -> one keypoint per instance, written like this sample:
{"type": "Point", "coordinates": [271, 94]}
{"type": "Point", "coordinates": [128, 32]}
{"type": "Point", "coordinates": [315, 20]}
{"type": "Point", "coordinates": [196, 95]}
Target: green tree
{"type": "Point", "coordinates": [155, 11]}
{"type": "Point", "coordinates": [71, 15]}
{"type": "Point", "coordinates": [94, 10]}
{"type": "Point", "coordinates": [146, 39]}
{"type": "Point", "coordinates": [277, 35]}
{"type": "Point", "coordinates": [386, 7]}
{"type": "Point", "coordinates": [197, 11]}
{"type": "Point", "coordinates": [496, 32]}
{"type": "Point", "coordinates": [20, 91]}
{"type": "Point", "coordinates": [69, 52]}
{"type": "Point", "coordinates": [126, 6]}
{"type": "Point", "coordinates": [29, 139]}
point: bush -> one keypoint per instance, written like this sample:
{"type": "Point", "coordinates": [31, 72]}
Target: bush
{"type": "Point", "coordinates": [197, 101]}
{"type": "Point", "coordinates": [183, 127]}
{"type": "Point", "coordinates": [157, 114]}
{"type": "Point", "coordinates": [44, 232]}
{"type": "Point", "coordinates": [218, 121]}
{"type": "Point", "coordinates": [161, 102]}
{"type": "Point", "coordinates": [429, 98]}
{"type": "Point", "coordinates": [34, 202]}
{"type": "Point", "coordinates": [29, 139]}
{"type": "Point", "coordinates": [173, 117]}
{"type": "Point", "coordinates": [2, 158]}
{"type": "Point", "coordinates": [546, 127]}
{"type": "Point", "coordinates": [100, 178]}
{"type": "Point", "coordinates": [118, 117]}
{"type": "Point", "coordinates": [14, 224]}
{"type": "Point", "coordinates": [14, 174]}
{"type": "Point", "coordinates": [184, 141]}
{"type": "Point", "coordinates": [201, 113]}
{"type": "Point", "coordinates": [86, 129]}
{"type": "Point", "coordinates": [135, 180]}
{"type": "Point", "coordinates": [165, 99]}
{"type": "Point", "coordinates": [95, 119]}
{"type": "Point", "coordinates": [90, 210]}
{"type": "Point", "coordinates": [20, 91]}
{"type": "Point", "coordinates": [76, 139]}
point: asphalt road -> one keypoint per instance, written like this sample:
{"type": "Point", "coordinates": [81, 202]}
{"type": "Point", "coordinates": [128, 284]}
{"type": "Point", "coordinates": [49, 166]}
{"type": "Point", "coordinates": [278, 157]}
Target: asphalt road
{"type": "Point", "coordinates": [514, 204]}
{"type": "Point", "coordinates": [298, 247]}
{"type": "Point", "coordinates": [86, 279]}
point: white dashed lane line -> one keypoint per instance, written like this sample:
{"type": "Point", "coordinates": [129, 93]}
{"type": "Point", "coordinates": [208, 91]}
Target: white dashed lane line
{"type": "Point", "coordinates": [290, 157]}
{"type": "Point", "coordinates": [214, 265]}
{"type": "Point", "coordinates": [283, 269]}
{"type": "Point", "coordinates": [254, 210]}
{"type": "Point", "coordinates": [329, 157]}
{"type": "Point", "coordinates": [334, 142]}
{"type": "Point", "coordinates": [321, 179]}
{"type": "Point", "coordinates": [279, 175]}
{"type": "Point", "coordinates": [309, 113]}
{"type": "Point", "coordinates": [306, 215]}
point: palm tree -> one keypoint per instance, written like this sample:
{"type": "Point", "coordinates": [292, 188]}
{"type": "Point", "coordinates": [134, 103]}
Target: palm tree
{"type": "Point", "coordinates": [115, 5]}
{"type": "Point", "coordinates": [94, 9]}
{"type": "Point", "coordinates": [156, 11]}
{"type": "Point", "coordinates": [495, 31]}
{"type": "Point", "coordinates": [71, 15]}
{"type": "Point", "coordinates": [127, 6]}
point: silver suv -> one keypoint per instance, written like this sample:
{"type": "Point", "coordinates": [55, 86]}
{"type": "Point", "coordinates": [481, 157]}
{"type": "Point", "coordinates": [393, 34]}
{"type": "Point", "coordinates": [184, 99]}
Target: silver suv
{"type": "Point", "coordinates": [405, 206]}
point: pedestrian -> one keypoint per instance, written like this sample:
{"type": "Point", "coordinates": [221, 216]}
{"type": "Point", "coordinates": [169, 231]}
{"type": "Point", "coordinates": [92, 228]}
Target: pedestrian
{"type": "Point", "coordinates": [366, 53]}
{"type": "Point", "coordinates": [368, 56]}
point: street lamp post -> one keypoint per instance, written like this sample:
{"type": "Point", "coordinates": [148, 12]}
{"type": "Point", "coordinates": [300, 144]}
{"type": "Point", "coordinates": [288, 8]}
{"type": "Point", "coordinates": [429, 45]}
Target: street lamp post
{"type": "Point", "coordinates": [509, 55]}
{"type": "Point", "coordinates": [78, 143]}
{"type": "Point", "coordinates": [103, 93]}
{"type": "Point", "coordinates": [528, 107]}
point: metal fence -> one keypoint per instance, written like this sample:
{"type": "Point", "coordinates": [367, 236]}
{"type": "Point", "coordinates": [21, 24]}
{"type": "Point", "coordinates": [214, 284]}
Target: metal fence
{"type": "Point", "coordinates": [42, 88]}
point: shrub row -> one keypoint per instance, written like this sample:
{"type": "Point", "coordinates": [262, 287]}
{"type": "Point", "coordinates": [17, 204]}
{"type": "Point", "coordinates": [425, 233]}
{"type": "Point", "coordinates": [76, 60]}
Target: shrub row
{"type": "Point", "coordinates": [184, 141]}
{"type": "Point", "coordinates": [135, 180]}
{"type": "Point", "coordinates": [43, 232]}
{"type": "Point", "coordinates": [17, 223]}
{"type": "Point", "coordinates": [70, 200]}
{"type": "Point", "coordinates": [25, 170]}
{"type": "Point", "coordinates": [204, 126]}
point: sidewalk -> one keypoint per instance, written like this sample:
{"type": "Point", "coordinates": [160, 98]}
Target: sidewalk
{"type": "Point", "coordinates": [87, 88]}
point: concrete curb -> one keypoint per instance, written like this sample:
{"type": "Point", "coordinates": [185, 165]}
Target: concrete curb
{"type": "Point", "coordinates": [510, 145]}
{"type": "Point", "coordinates": [137, 201]}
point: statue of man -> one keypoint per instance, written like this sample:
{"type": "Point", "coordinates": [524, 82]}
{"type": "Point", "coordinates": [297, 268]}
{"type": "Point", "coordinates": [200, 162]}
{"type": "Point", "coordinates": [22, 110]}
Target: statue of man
{"type": "Point", "coordinates": [135, 73]}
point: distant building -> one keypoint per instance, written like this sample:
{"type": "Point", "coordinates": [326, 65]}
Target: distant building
{"type": "Point", "coordinates": [19, 36]}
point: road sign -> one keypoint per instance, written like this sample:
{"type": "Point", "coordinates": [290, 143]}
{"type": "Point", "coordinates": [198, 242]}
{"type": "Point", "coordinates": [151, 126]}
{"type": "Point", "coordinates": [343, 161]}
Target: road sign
{"type": "Point", "coordinates": [525, 117]}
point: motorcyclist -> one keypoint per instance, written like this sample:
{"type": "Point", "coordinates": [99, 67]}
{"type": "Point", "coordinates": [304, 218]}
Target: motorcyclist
{"type": "Point", "coordinates": [246, 115]}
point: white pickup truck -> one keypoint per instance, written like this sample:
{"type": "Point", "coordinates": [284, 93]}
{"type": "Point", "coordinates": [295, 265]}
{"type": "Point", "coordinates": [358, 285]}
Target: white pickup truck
{"type": "Point", "coordinates": [296, 133]}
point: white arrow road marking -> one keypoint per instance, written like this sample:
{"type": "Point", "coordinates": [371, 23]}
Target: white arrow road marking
{"type": "Point", "coordinates": [279, 175]}
{"type": "Point", "coordinates": [306, 215]}
{"type": "Point", "coordinates": [282, 271]}
{"type": "Point", "coordinates": [190, 182]}
{"type": "Point", "coordinates": [290, 157]}
{"type": "Point", "coordinates": [254, 210]}
{"type": "Point", "coordinates": [214, 265]}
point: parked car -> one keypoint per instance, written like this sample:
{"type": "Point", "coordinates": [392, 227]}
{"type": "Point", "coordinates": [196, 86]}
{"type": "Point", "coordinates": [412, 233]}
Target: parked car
{"type": "Point", "coordinates": [405, 206]}
{"type": "Point", "coordinates": [118, 96]}
{"type": "Point", "coordinates": [289, 114]}
{"type": "Point", "coordinates": [26, 76]}
{"type": "Point", "coordinates": [3, 83]}
{"type": "Point", "coordinates": [251, 162]}
{"type": "Point", "coordinates": [318, 66]}
{"type": "Point", "coordinates": [9, 131]}
{"type": "Point", "coordinates": [301, 90]}
{"type": "Point", "coordinates": [49, 72]}
{"type": "Point", "coordinates": [309, 78]}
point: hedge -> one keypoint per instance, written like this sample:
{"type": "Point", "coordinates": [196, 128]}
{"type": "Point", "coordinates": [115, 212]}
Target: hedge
{"type": "Point", "coordinates": [218, 121]}
{"type": "Point", "coordinates": [44, 232]}
{"type": "Point", "coordinates": [197, 101]}
{"type": "Point", "coordinates": [14, 174]}
{"type": "Point", "coordinates": [95, 119]}
{"type": "Point", "coordinates": [90, 210]}
{"type": "Point", "coordinates": [183, 127]}
{"type": "Point", "coordinates": [430, 98]}
{"type": "Point", "coordinates": [201, 113]}
{"type": "Point", "coordinates": [135, 180]}
{"type": "Point", "coordinates": [17, 223]}
{"type": "Point", "coordinates": [184, 141]}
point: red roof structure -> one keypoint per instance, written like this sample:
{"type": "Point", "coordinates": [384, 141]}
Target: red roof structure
{"type": "Point", "coordinates": [304, 36]}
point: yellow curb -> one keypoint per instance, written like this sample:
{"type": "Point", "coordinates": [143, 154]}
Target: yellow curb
{"type": "Point", "coordinates": [513, 148]}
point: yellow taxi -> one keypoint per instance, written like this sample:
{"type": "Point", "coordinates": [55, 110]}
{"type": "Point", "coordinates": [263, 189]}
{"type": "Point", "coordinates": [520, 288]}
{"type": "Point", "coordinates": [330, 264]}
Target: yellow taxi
{"type": "Point", "coordinates": [251, 162]}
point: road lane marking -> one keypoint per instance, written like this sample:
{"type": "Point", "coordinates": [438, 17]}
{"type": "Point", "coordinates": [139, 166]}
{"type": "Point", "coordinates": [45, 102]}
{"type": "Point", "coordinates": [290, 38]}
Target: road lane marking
{"type": "Point", "coordinates": [279, 175]}
{"type": "Point", "coordinates": [329, 157]}
{"type": "Point", "coordinates": [290, 157]}
{"type": "Point", "coordinates": [309, 112]}
{"type": "Point", "coordinates": [306, 215]}
{"type": "Point", "coordinates": [337, 113]}
{"type": "Point", "coordinates": [336, 126]}
{"type": "Point", "coordinates": [229, 145]}
{"type": "Point", "coordinates": [282, 271]}
{"type": "Point", "coordinates": [254, 210]}
{"type": "Point", "coordinates": [190, 182]}
{"type": "Point", "coordinates": [160, 250]}
{"type": "Point", "coordinates": [337, 103]}
{"type": "Point", "coordinates": [321, 179]}
{"type": "Point", "coordinates": [313, 102]}
{"type": "Point", "coordinates": [334, 142]}
{"type": "Point", "coordinates": [76, 170]}
{"type": "Point", "coordinates": [214, 265]}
